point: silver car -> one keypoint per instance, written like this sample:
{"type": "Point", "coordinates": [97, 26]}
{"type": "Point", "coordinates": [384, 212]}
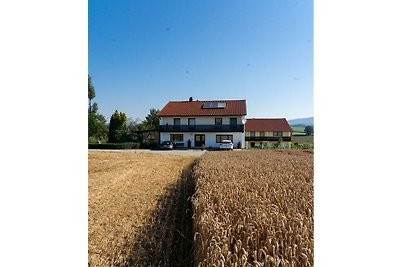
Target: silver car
{"type": "Point", "coordinates": [167, 145]}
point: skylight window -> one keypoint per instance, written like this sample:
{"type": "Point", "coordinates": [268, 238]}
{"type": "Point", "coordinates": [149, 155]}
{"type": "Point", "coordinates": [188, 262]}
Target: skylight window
{"type": "Point", "coordinates": [214, 105]}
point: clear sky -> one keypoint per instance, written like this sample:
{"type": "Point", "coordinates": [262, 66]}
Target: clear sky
{"type": "Point", "coordinates": [143, 54]}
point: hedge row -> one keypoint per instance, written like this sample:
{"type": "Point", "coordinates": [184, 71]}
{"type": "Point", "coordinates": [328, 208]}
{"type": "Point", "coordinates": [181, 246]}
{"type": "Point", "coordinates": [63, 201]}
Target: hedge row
{"type": "Point", "coordinates": [114, 146]}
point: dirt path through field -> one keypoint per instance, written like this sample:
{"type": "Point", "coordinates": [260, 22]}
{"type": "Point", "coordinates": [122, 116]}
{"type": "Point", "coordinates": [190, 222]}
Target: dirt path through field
{"type": "Point", "coordinates": [137, 205]}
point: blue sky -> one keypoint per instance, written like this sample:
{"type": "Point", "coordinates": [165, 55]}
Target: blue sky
{"type": "Point", "coordinates": [143, 54]}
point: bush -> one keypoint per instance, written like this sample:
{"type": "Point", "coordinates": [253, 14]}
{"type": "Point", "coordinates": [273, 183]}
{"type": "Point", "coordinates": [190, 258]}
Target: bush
{"type": "Point", "coordinates": [114, 146]}
{"type": "Point", "coordinates": [96, 140]}
{"type": "Point", "coordinates": [296, 145]}
{"type": "Point", "coordinates": [268, 145]}
{"type": "Point", "coordinates": [308, 146]}
{"type": "Point", "coordinates": [148, 145]}
{"type": "Point", "coordinates": [93, 140]}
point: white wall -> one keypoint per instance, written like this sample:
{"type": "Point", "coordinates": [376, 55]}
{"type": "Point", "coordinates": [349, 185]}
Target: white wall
{"type": "Point", "coordinates": [210, 138]}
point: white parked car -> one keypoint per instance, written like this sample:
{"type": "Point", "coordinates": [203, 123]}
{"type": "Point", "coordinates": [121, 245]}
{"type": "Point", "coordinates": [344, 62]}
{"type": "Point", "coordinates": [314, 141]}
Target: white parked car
{"type": "Point", "coordinates": [226, 144]}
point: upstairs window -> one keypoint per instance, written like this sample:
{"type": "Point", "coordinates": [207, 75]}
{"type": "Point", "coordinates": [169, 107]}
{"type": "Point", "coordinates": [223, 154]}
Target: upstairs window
{"type": "Point", "coordinates": [262, 134]}
{"type": "Point", "coordinates": [233, 121]}
{"type": "Point", "coordinates": [252, 133]}
{"type": "Point", "coordinates": [218, 121]}
{"type": "Point", "coordinates": [278, 133]}
{"type": "Point", "coordinates": [177, 121]}
{"type": "Point", "coordinates": [191, 121]}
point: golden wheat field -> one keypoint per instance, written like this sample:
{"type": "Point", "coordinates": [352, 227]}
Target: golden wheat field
{"type": "Point", "coordinates": [136, 202]}
{"type": "Point", "coordinates": [254, 208]}
{"type": "Point", "coordinates": [234, 208]}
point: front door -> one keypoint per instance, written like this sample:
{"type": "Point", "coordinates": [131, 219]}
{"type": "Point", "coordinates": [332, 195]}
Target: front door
{"type": "Point", "coordinates": [199, 140]}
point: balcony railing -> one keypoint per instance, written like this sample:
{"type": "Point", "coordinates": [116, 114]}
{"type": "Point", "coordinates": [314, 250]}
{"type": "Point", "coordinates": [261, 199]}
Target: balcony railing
{"type": "Point", "coordinates": [268, 138]}
{"type": "Point", "coordinates": [202, 128]}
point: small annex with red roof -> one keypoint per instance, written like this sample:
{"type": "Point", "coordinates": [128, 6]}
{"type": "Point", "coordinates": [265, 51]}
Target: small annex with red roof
{"type": "Point", "coordinates": [261, 132]}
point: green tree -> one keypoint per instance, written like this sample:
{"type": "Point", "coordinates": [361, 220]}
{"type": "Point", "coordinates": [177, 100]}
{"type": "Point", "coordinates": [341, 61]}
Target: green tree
{"type": "Point", "coordinates": [133, 124]}
{"type": "Point", "coordinates": [117, 128]}
{"type": "Point", "coordinates": [91, 92]}
{"type": "Point", "coordinates": [94, 108]}
{"type": "Point", "coordinates": [152, 120]}
{"type": "Point", "coordinates": [309, 130]}
{"type": "Point", "coordinates": [97, 127]}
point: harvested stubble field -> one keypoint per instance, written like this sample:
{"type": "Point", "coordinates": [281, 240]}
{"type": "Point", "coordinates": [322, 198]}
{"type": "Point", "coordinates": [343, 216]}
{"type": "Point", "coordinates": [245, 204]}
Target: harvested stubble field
{"type": "Point", "coordinates": [254, 208]}
{"type": "Point", "coordinates": [139, 212]}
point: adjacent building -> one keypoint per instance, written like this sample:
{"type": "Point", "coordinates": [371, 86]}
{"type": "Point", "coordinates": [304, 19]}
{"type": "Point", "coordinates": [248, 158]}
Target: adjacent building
{"type": "Point", "coordinates": [203, 123]}
{"type": "Point", "coordinates": [267, 132]}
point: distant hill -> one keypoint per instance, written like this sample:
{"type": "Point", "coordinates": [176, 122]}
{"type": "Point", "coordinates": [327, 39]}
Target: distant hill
{"type": "Point", "coordinates": [302, 121]}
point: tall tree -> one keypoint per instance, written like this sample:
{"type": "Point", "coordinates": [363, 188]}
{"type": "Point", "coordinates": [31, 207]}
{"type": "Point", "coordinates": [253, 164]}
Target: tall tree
{"type": "Point", "coordinates": [91, 92]}
{"type": "Point", "coordinates": [117, 129]}
{"type": "Point", "coordinates": [97, 128]}
{"type": "Point", "coordinates": [152, 120]}
{"type": "Point", "coordinates": [94, 108]}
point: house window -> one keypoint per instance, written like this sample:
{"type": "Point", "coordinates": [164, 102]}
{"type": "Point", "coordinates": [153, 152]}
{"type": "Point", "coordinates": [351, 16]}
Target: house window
{"type": "Point", "coordinates": [262, 134]}
{"type": "Point", "coordinates": [176, 137]}
{"type": "Point", "coordinates": [218, 121]}
{"type": "Point", "coordinates": [233, 121]}
{"type": "Point", "coordinates": [192, 123]}
{"type": "Point", "coordinates": [219, 138]}
{"type": "Point", "coordinates": [177, 121]}
{"type": "Point", "coordinates": [277, 133]}
{"type": "Point", "coordinates": [252, 133]}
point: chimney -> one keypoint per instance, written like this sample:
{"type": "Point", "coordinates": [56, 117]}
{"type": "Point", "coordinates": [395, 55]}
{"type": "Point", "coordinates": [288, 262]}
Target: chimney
{"type": "Point", "coordinates": [190, 99]}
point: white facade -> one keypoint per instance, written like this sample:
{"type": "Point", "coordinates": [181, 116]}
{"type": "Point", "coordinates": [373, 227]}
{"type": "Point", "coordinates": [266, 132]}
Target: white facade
{"type": "Point", "coordinates": [210, 137]}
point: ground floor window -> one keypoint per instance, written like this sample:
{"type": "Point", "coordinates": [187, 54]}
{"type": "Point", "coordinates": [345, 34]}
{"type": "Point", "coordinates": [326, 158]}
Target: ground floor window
{"type": "Point", "coordinates": [252, 144]}
{"type": "Point", "coordinates": [176, 137]}
{"type": "Point", "coordinates": [219, 138]}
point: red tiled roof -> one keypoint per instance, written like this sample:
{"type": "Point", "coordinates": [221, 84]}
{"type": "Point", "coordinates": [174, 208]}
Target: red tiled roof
{"type": "Point", "coordinates": [194, 108]}
{"type": "Point", "coordinates": [267, 125]}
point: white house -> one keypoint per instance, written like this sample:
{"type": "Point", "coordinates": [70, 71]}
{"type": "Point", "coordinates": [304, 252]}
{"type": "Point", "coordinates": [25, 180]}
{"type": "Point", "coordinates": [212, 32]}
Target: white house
{"type": "Point", "coordinates": [196, 123]}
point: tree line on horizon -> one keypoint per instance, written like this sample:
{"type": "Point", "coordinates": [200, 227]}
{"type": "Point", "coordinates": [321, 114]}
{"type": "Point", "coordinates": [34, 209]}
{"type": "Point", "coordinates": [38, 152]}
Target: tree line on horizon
{"type": "Point", "coordinates": [119, 127]}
